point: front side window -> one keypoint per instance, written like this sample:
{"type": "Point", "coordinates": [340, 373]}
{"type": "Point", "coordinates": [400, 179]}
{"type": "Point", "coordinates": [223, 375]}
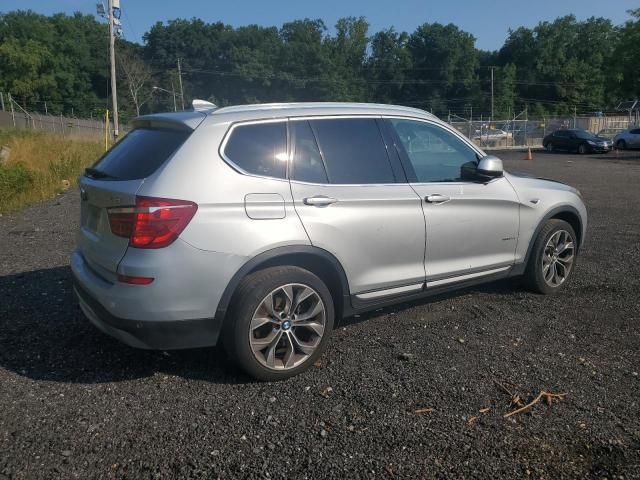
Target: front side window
{"type": "Point", "coordinates": [435, 154]}
{"type": "Point", "coordinates": [259, 148]}
{"type": "Point", "coordinates": [353, 151]}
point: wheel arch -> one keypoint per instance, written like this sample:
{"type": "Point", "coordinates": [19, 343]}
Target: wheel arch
{"type": "Point", "coordinates": [567, 213]}
{"type": "Point", "coordinates": [317, 260]}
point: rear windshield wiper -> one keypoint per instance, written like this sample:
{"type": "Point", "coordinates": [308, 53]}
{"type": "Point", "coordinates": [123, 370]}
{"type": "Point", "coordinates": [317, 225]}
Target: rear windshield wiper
{"type": "Point", "coordinates": [95, 173]}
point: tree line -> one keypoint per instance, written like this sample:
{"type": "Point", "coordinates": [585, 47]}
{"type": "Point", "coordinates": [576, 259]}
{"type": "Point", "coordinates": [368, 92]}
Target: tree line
{"type": "Point", "coordinates": [60, 63]}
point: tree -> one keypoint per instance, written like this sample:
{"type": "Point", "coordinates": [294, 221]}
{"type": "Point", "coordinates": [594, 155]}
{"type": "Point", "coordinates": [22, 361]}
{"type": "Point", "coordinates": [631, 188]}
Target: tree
{"type": "Point", "coordinates": [137, 77]}
{"type": "Point", "coordinates": [626, 58]}
{"type": "Point", "coordinates": [387, 67]}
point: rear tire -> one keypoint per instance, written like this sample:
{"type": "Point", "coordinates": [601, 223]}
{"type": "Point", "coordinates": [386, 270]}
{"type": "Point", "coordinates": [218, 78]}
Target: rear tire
{"type": "Point", "coordinates": [549, 147]}
{"type": "Point", "coordinates": [279, 322]}
{"type": "Point", "coordinates": [553, 258]}
{"type": "Point", "coordinates": [582, 149]}
{"type": "Point", "coordinates": [621, 145]}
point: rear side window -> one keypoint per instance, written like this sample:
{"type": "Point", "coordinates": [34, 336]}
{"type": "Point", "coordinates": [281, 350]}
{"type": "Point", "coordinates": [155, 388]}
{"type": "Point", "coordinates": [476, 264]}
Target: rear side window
{"type": "Point", "coordinates": [140, 153]}
{"type": "Point", "coordinates": [259, 148]}
{"type": "Point", "coordinates": [635, 132]}
{"type": "Point", "coordinates": [307, 161]}
{"type": "Point", "coordinates": [353, 151]}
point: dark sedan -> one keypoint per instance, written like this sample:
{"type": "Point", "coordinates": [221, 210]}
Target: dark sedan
{"type": "Point", "coordinates": [575, 139]}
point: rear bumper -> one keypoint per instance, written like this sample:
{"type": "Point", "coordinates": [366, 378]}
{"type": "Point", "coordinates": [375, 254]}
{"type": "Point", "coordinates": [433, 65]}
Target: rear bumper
{"type": "Point", "coordinates": [152, 335]}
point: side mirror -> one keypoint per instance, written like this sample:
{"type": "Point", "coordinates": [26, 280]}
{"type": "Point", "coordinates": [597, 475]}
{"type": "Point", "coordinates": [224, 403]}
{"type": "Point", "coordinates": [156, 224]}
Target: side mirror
{"type": "Point", "coordinates": [490, 167]}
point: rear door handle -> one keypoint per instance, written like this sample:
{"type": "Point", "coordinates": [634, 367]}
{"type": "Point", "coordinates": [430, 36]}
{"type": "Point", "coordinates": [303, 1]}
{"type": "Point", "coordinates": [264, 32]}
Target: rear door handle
{"type": "Point", "coordinates": [319, 201]}
{"type": "Point", "coordinates": [436, 198]}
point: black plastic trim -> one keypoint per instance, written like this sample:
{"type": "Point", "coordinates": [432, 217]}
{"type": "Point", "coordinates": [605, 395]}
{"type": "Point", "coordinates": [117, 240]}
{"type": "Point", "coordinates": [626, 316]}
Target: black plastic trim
{"type": "Point", "coordinates": [273, 254]}
{"type": "Point", "coordinates": [156, 335]}
{"type": "Point", "coordinates": [520, 268]}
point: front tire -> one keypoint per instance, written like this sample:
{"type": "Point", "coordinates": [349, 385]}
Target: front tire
{"type": "Point", "coordinates": [549, 147]}
{"type": "Point", "coordinates": [279, 323]}
{"type": "Point", "coordinates": [553, 258]}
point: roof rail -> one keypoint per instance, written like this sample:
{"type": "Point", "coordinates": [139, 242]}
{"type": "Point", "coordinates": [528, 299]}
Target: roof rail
{"type": "Point", "coordinates": [203, 106]}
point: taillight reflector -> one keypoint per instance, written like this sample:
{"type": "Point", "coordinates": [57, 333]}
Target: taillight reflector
{"type": "Point", "coordinates": [153, 222]}
{"type": "Point", "coordinates": [135, 280]}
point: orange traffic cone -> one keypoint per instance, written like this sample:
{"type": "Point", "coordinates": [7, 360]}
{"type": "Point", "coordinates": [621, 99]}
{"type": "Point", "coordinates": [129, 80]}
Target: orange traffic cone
{"type": "Point", "coordinates": [529, 156]}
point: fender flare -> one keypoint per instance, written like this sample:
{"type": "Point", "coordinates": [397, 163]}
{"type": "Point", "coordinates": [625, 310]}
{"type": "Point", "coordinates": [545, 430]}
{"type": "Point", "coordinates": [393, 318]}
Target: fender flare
{"type": "Point", "coordinates": [521, 267]}
{"type": "Point", "coordinates": [271, 255]}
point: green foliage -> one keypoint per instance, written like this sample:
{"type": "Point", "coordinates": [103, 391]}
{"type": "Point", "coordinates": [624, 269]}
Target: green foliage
{"type": "Point", "coordinates": [553, 67]}
{"type": "Point", "coordinates": [15, 179]}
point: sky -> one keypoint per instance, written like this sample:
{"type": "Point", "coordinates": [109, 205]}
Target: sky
{"type": "Point", "coordinates": [488, 21]}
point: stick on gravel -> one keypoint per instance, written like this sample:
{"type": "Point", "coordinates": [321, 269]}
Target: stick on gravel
{"type": "Point", "coordinates": [548, 396]}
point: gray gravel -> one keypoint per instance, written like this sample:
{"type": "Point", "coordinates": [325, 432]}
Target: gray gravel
{"type": "Point", "coordinates": [77, 404]}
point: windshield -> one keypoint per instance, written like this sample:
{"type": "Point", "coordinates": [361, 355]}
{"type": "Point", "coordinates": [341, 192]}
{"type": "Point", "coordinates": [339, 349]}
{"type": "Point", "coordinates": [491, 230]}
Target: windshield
{"type": "Point", "coordinates": [584, 134]}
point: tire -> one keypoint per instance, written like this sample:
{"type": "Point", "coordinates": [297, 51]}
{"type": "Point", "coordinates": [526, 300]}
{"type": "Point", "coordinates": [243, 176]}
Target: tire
{"type": "Point", "coordinates": [582, 149]}
{"type": "Point", "coordinates": [621, 145]}
{"type": "Point", "coordinates": [534, 277]}
{"type": "Point", "coordinates": [262, 335]}
{"type": "Point", "coordinates": [549, 147]}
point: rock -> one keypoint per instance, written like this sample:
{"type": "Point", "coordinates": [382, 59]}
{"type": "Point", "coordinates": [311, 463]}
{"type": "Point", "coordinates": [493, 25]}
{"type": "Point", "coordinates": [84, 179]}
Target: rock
{"type": "Point", "coordinates": [65, 184]}
{"type": "Point", "coordinates": [66, 453]}
{"type": "Point", "coordinates": [461, 340]}
{"type": "Point", "coordinates": [323, 433]}
{"type": "Point", "coordinates": [5, 154]}
{"type": "Point", "coordinates": [406, 356]}
{"type": "Point", "coordinates": [272, 400]}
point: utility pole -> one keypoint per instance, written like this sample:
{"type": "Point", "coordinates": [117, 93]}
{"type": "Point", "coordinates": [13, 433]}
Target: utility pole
{"type": "Point", "coordinates": [13, 113]}
{"type": "Point", "coordinates": [492, 93]}
{"type": "Point", "coordinates": [180, 81]}
{"type": "Point", "coordinates": [112, 53]}
{"type": "Point", "coordinates": [173, 94]}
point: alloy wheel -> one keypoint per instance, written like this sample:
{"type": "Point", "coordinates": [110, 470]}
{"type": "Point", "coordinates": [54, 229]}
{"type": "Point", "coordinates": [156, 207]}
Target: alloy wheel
{"type": "Point", "coordinates": [557, 258]}
{"type": "Point", "coordinates": [287, 327]}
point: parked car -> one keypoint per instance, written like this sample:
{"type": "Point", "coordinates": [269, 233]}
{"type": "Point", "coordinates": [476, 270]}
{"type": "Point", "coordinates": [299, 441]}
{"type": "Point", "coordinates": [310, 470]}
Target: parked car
{"type": "Point", "coordinates": [576, 140]}
{"type": "Point", "coordinates": [628, 139]}
{"type": "Point", "coordinates": [259, 227]}
{"type": "Point", "coordinates": [610, 133]}
{"type": "Point", "coordinates": [492, 134]}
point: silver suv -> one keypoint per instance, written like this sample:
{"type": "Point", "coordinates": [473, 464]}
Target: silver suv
{"type": "Point", "coordinates": [263, 225]}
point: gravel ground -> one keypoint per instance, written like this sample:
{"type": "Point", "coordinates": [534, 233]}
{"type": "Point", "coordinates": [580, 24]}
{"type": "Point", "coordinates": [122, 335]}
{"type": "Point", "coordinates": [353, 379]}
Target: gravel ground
{"type": "Point", "coordinates": [77, 404]}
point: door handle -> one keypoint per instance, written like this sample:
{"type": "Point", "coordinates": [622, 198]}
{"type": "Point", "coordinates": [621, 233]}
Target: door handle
{"type": "Point", "coordinates": [436, 198]}
{"type": "Point", "coordinates": [319, 201]}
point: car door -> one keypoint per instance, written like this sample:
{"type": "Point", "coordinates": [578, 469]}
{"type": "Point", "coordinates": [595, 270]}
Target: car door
{"type": "Point", "coordinates": [561, 140]}
{"type": "Point", "coordinates": [472, 225]}
{"type": "Point", "coordinates": [634, 138]}
{"type": "Point", "coordinates": [354, 203]}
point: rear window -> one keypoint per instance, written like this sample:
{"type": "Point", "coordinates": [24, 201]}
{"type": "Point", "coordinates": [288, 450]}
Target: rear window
{"type": "Point", "coordinates": [140, 153]}
{"type": "Point", "coordinates": [259, 148]}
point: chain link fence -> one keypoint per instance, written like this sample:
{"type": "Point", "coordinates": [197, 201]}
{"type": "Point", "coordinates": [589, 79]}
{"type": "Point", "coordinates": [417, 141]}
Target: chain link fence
{"type": "Point", "coordinates": [529, 132]}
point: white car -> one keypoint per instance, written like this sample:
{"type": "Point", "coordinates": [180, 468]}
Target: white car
{"type": "Point", "coordinates": [628, 139]}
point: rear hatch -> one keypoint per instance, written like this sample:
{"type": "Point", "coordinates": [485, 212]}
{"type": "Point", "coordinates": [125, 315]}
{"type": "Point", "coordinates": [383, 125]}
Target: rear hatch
{"type": "Point", "coordinates": [114, 181]}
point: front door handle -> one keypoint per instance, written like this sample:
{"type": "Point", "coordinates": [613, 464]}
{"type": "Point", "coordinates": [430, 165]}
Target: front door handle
{"type": "Point", "coordinates": [319, 201]}
{"type": "Point", "coordinates": [436, 198]}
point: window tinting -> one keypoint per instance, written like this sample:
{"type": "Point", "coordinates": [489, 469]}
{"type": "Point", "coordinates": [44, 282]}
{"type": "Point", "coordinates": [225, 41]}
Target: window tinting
{"type": "Point", "coordinates": [259, 148]}
{"type": "Point", "coordinates": [435, 154]}
{"type": "Point", "coordinates": [635, 132]}
{"type": "Point", "coordinates": [140, 153]}
{"type": "Point", "coordinates": [307, 161]}
{"type": "Point", "coordinates": [353, 151]}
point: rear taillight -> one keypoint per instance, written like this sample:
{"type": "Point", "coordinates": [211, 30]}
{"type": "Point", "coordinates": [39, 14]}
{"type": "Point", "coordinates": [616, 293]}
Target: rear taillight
{"type": "Point", "coordinates": [153, 222]}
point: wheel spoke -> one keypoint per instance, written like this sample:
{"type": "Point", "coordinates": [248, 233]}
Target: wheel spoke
{"type": "Point", "coordinates": [565, 246]}
{"type": "Point", "coordinates": [316, 327]}
{"type": "Point", "coordinates": [313, 312]}
{"type": "Point", "coordinates": [258, 322]}
{"type": "Point", "coordinates": [288, 291]}
{"type": "Point", "coordinates": [301, 297]}
{"type": "Point", "coordinates": [259, 344]}
{"type": "Point", "coordinates": [270, 354]}
{"type": "Point", "coordinates": [301, 346]}
{"type": "Point", "coordinates": [289, 356]}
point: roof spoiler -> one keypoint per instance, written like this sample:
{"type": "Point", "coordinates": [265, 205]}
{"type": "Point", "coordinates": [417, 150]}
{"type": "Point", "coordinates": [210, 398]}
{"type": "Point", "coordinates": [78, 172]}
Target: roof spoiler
{"type": "Point", "coordinates": [203, 106]}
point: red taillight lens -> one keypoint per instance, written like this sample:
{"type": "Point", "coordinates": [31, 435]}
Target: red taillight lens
{"type": "Point", "coordinates": [153, 222]}
{"type": "Point", "coordinates": [135, 280]}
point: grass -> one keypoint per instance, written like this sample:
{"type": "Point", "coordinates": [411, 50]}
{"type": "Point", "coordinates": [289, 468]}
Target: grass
{"type": "Point", "coordinates": [41, 165]}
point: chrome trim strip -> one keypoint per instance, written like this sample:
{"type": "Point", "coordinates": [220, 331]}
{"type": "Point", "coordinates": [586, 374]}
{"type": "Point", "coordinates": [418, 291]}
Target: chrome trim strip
{"type": "Point", "coordinates": [468, 276]}
{"type": "Point", "coordinates": [390, 292]}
